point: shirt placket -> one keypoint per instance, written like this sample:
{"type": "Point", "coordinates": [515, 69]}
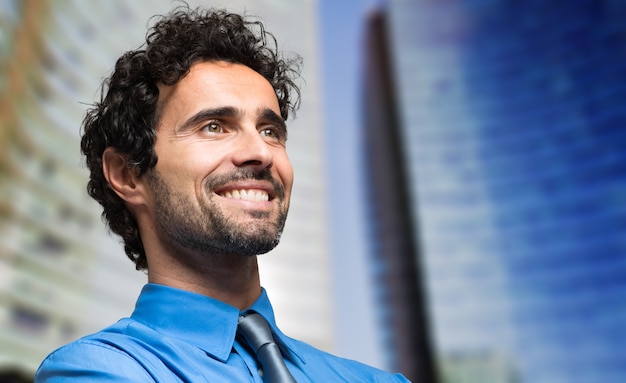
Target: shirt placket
{"type": "Point", "coordinates": [250, 362]}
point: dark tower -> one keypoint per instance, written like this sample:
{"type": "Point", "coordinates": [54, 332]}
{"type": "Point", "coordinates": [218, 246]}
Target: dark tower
{"type": "Point", "coordinates": [394, 249]}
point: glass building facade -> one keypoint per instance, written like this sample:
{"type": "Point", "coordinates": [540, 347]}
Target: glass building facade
{"type": "Point", "coordinates": [512, 131]}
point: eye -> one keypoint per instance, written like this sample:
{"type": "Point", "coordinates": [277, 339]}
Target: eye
{"type": "Point", "coordinates": [213, 127]}
{"type": "Point", "coordinates": [274, 133]}
{"type": "Point", "coordinates": [269, 132]}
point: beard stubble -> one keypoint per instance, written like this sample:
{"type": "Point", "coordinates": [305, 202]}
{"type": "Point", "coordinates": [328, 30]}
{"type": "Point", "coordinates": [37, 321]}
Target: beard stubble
{"type": "Point", "coordinates": [206, 228]}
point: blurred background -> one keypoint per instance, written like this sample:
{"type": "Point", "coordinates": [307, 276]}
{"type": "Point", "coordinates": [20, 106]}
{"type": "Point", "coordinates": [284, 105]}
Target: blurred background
{"type": "Point", "coordinates": [460, 200]}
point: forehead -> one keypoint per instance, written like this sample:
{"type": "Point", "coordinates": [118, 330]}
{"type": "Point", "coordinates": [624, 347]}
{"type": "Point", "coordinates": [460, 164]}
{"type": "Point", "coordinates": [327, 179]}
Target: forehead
{"type": "Point", "coordinates": [218, 84]}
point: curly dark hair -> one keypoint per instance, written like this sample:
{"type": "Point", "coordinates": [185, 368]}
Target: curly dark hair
{"type": "Point", "coordinates": [127, 115]}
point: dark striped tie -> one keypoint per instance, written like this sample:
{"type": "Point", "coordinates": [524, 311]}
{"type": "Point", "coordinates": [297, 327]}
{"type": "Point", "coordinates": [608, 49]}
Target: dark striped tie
{"type": "Point", "coordinates": [258, 335]}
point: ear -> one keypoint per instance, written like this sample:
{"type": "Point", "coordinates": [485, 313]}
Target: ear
{"type": "Point", "coordinates": [122, 177]}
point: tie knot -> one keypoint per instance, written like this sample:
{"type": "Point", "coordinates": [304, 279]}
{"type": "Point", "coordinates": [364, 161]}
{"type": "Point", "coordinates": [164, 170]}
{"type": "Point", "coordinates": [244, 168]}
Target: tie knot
{"type": "Point", "coordinates": [253, 327]}
{"type": "Point", "coordinates": [258, 335]}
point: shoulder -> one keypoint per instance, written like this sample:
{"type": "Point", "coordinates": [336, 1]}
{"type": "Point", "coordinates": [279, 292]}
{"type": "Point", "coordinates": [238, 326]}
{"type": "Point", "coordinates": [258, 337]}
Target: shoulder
{"type": "Point", "coordinates": [105, 356]}
{"type": "Point", "coordinates": [92, 361]}
{"type": "Point", "coordinates": [347, 369]}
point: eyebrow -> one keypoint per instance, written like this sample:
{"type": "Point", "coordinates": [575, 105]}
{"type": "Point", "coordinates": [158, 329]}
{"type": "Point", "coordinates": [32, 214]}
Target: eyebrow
{"type": "Point", "coordinates": [271, 116]}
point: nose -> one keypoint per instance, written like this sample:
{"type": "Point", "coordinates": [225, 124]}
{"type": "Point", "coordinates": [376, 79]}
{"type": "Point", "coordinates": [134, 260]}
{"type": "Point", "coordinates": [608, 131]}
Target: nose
{"type": "Point", "coordinates": [252, 150]}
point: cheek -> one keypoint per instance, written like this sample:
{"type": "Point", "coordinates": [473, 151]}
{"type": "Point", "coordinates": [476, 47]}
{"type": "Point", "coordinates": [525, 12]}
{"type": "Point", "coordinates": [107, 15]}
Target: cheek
{"type": "Point", "coordinates": [182, 176]}
{"type": "Point", "coordinates": [188, 162]}
{"type": "Point", "coordinates": [285, 172]}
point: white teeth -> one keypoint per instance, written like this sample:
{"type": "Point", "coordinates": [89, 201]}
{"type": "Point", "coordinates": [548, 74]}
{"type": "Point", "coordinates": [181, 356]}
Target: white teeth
{"type": "Point", "coordinates": [248, 195]}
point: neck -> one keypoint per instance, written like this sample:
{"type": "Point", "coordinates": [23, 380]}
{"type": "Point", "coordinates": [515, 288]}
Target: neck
{"type": "Point", "coordinates": [232, 279]}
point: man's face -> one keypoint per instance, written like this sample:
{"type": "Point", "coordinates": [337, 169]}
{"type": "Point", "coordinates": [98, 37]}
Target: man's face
{"type": "Point", "coordinates": [223, 180]}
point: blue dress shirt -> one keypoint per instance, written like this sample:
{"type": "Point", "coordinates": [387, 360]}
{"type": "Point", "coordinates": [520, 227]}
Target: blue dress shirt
{"type": "Point", "coordinates": [179, 336]}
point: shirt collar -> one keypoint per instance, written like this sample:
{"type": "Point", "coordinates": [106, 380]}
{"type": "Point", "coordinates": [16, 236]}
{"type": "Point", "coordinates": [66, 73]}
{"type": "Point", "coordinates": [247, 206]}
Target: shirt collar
{"type": "Point", "coordinates": [288, 346]}
{"type": "Point", "coordinates": [200, 320]}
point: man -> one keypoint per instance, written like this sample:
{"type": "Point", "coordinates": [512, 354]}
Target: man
{"type": "Point", "coordinates": [186, 151]}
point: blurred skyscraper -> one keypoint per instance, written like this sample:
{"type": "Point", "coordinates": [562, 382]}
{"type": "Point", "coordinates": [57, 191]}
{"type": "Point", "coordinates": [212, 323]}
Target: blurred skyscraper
{"type": "Point", "coordinates": [395, 262]}
{"type": "Point", "coordinates": [507, 134]}
{"type": "Point", "coordinates": [61, 274]}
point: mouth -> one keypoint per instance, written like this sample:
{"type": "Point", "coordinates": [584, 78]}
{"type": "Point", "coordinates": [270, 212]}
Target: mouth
{"type": "Point", "coordinates": [252, 195]}
{"type": "Point", "coordinates": [248, 187]}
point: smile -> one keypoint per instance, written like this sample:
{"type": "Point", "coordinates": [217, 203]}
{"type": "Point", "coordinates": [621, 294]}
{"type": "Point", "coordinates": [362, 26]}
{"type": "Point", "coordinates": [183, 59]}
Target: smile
{"type": "Point", "coordinates": [253, 195]}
